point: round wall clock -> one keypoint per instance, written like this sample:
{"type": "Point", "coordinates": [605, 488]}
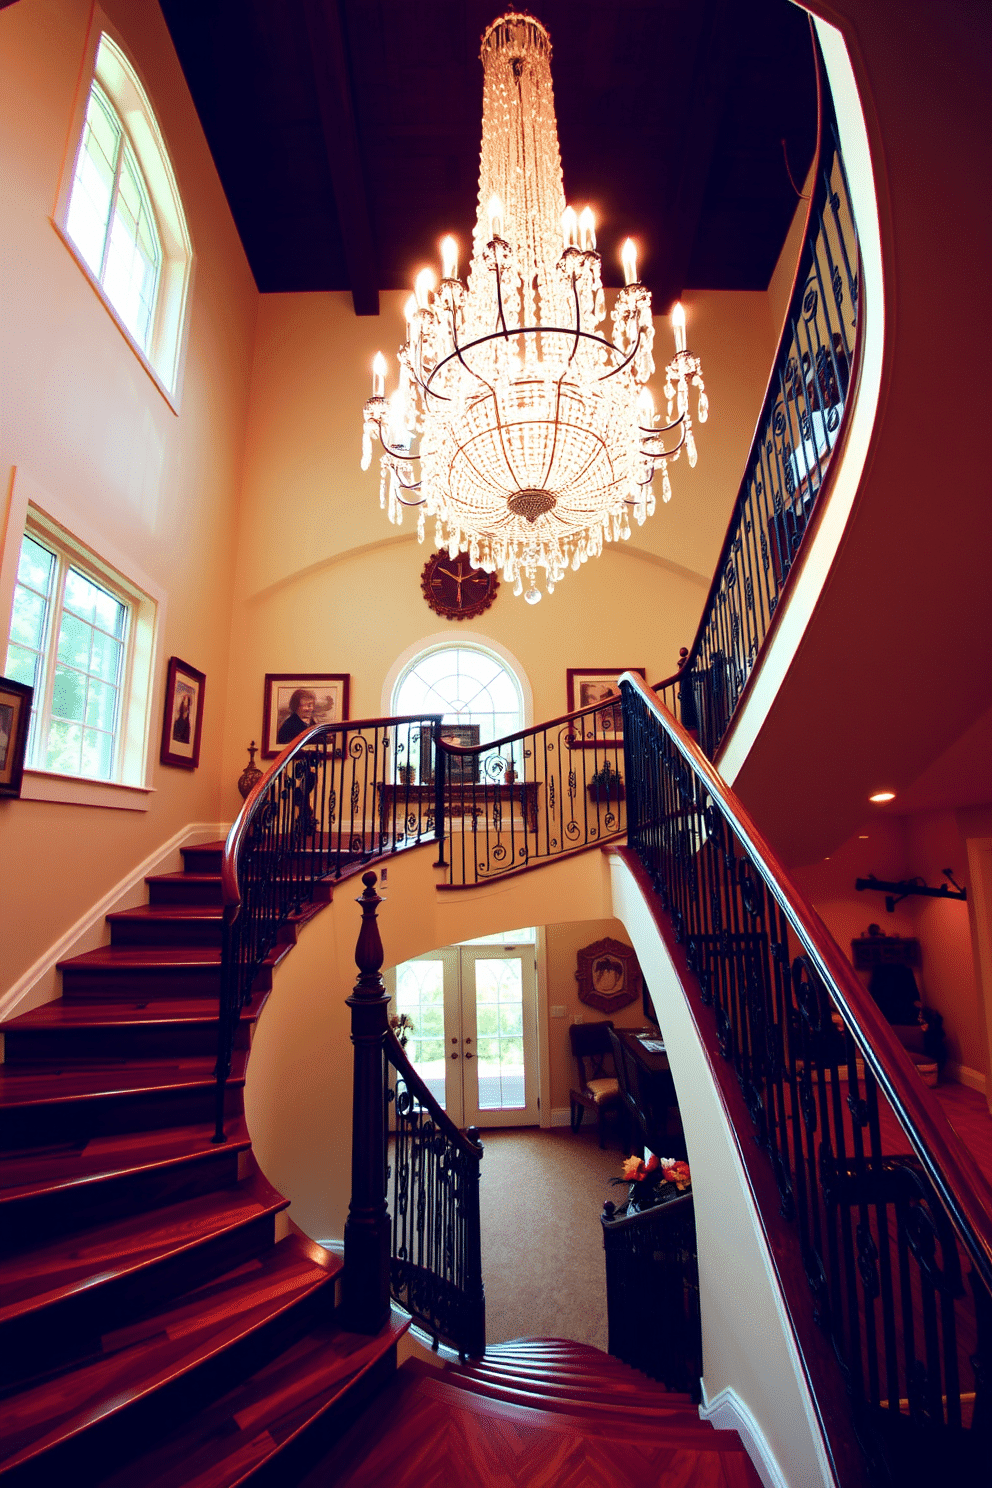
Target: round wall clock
{"type": "Point", "coordinates": [456, 590]}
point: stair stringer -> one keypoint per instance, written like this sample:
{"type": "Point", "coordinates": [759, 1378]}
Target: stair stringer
{"type": "Point", "coordinates": [298, 1090]}
{"type": "Point", "coordinates": [749, 1348]}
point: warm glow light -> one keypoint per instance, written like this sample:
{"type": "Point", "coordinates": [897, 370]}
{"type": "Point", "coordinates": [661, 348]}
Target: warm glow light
{"type": "Point", "coordinates": [449, 257]}
{"type": "Point", "coordinates": [569, 228]}
{"type": "Point", "coordinates": [678, 326]}
{"type": "Point", "coordinates": [645, 406]}
{"type": "Point", "coordinates": [881, 796]}
{"type": "Point", "coordinates": [422, 287]}
{"type": "Point", "coordinates": [410, 308]}
{"type": "Point", "coordinates": [495, 217]}
{"type": "Point", "coordinates": [629, 260]}
{"type": "Point", "coordinates": [378, 375]}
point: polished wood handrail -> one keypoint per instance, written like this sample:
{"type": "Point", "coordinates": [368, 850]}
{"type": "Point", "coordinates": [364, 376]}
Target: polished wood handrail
{"type": "Point", "coordinates": [956, 1177]}
{"type": "Point", "coordinates": [232, 847]}
{"type": "Point", "coordinates": [400, 1060]}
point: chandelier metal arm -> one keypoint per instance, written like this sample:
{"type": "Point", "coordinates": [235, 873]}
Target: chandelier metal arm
{"type": "Point", "coordinates": [665, 454]}
{"type": "Point", "coordinates": [397, 454]}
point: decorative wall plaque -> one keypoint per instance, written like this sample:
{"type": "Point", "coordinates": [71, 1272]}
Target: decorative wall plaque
{"type": "Point", "coordinates": [608, 975]}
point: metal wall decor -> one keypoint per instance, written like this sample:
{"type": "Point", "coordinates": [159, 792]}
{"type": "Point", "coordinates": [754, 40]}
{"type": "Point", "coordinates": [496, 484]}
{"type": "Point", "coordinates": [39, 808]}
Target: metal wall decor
{"type": "Point", "coordinates": [454, 589]}
{"type": "Point", "coordinates": [608, 975]}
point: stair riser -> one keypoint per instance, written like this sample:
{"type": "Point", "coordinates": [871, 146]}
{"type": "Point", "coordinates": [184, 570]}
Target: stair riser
{"type": "Point", "coordinates": [202, 859]}
{"type": "Point", "coordinates": [132, 1041]}
{"type": "Point", "coordinates": [72, 1327]}
{"type": "Point", "coordinates": [180, 891]}
{"type": "Point", "coordinates": [45, 1124]}
{"type": "Point", "coordinates": [92, 1455]}
{"type": "Point", "coordinates": [138, 984]}
{"type": "Point", "coordinates": [36, 1218]}
{"type": "Point", "coordinates": [195, 930]}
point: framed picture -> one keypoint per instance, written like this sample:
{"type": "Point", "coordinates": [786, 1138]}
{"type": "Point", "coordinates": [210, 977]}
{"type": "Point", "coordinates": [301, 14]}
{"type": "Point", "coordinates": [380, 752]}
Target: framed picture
{"type": "Point", "coordinates": [608, 975]}
{"type": "Point", "coordinates": [296, 700]}
{"type": "Point", "coordinates": [588, 685]}
{"type": "Point", "coordinates": [15, 717]}
{"type": "Point", "coordinates": [462, 769]}
{"type": "Point", "coordinates": [182, 722]}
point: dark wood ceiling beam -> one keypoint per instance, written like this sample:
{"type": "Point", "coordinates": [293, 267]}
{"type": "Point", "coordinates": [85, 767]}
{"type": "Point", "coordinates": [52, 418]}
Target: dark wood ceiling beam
{"type": "Point", "coordinates": [337, 119]}
{"type": "Point", "coordinates": [707, 98]}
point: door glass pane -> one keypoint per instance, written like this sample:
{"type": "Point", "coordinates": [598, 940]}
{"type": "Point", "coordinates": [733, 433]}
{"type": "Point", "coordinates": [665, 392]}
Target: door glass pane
{"type": "Point", "coordinates": [420, 995]}
{"type": "Point", "coordinates": [499, 1028]}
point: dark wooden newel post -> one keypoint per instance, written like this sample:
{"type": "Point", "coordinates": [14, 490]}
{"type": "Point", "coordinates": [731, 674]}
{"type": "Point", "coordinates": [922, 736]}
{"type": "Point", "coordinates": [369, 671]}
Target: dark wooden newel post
{"type": "Point", "coordinates": [366, 1233]}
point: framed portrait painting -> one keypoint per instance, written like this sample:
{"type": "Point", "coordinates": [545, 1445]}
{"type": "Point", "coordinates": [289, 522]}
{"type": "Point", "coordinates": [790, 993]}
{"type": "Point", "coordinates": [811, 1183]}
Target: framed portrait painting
{"type": "Point", "coordinates": [15, 719]}
{"type": "Point", "coordinates": [588, 685]}
{"type": "Point", "coordinates": [182, 721]}
{"type": "Point", "coordinates": [294, 701]}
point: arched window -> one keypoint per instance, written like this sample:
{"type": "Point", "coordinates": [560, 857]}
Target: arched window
{"type": "Point", "coordinates": [468, 685]}
{"type": "Point", "coordinates": [123, 217]}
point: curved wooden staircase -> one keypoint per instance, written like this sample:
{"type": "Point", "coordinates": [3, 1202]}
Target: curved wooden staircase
{"type": "Point", "coordinates": [162, 1322]}
{"type": "Point", "coordinates": [537, 1411]}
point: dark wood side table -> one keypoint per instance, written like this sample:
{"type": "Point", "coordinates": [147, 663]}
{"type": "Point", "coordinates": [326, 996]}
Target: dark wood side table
{"type": "Point", "coordinates": [649, 1093]}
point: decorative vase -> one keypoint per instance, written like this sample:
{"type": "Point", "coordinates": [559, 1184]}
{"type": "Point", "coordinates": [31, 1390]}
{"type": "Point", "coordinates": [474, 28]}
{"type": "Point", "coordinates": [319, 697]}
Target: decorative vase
{"type": "Point", "coordinates": [509, 775]}
{"type": "Point", "coordinates": [250, 775]}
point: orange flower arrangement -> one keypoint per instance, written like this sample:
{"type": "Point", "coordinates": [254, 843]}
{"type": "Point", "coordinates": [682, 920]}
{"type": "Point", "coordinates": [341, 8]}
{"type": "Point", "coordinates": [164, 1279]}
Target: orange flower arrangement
{"type": "Point", "coordinates": [655, 1173]}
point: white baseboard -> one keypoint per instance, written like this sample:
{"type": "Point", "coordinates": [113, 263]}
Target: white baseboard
{"type": "Point", "coordinates": [965, 1075]}
{"type": "Point", "coordinates": [40, 983]}
{"type": "Point", "coordinates": [561, 1116]}
{"type": "Point", "coordinates": [727, 1412]}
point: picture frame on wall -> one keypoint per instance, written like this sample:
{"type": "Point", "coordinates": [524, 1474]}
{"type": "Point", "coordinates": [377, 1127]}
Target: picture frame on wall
{"type": "Point", "coordinates": [294, 701]}
{"type": "Point", "coordinates": [182, 715]}
{"type": "Point", "coordinates": [15, 721]}
{"type": "Point", "coordinates": [462, 769]}
{"type": "Point", "coordinates": [588, 685]}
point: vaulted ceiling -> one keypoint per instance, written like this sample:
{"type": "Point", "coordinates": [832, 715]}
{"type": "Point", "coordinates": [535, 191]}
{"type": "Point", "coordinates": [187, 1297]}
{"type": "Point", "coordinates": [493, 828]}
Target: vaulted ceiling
{"type": "Point", "coordinates": [346, 132]}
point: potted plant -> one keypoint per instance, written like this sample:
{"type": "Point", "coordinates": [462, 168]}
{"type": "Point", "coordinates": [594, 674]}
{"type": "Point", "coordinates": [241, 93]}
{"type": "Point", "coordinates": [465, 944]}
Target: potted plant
{"type": "Point", "coordinates": [406, 774]}
{"type": "Point", "coordinates": [606, 784]}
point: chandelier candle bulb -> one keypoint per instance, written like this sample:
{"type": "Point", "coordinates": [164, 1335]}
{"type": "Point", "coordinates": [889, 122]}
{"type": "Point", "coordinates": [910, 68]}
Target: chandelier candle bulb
{"type": "Point", "coordinates": [495, 217]}
{"type": "Point", "coordinates": [678, 326]}
{"type": "Point", "coordinates": [587, 227]}
{"type": "Point", "coordinates": [378, 375]}
{"type": "Point", "coordinates": [449, 258]}
{"type": "Point", "coordinates": [528, 447]}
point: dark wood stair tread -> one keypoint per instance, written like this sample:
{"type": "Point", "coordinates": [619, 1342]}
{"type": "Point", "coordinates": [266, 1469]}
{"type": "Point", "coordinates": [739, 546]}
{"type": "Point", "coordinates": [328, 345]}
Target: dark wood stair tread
{"type": "Point", "coordinates": [107, 1252]}
{"type": "Point", "coordinates": [424, 1428]}
{"type": "Point", "coordinates": [108, 1157]}
{"type": "Point", "coordinates": [167, 1343]}
{"type": "Point", "coordinates": [120, 1012]}
{"type": "Point", "coordinates": [232, 1438]}
{"type": "Point", "coordinates": [117, 958]}
{"type": "Point", "coordinates": [57, 1083]}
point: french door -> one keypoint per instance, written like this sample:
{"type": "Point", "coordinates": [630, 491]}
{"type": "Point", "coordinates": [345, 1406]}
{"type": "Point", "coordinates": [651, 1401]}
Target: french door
{"type": "Point", "coordinates": [474, 1037]}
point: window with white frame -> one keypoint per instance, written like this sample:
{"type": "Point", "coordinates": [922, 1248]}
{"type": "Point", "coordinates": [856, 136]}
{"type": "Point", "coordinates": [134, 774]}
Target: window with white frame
{"type": "Point", "coordinates": [75, 637]}
{"type": "Point", "coordinates": [110, 217]}
{"type": "Point", "coordinates": [123, 217]}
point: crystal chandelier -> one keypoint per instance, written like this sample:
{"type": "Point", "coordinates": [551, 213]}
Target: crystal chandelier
{"type": "Point", "coordinates": [527, 435]}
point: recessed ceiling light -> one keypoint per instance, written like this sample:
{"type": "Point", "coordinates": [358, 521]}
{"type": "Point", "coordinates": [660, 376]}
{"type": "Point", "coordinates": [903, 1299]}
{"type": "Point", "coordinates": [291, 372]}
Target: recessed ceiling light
{"type": "Point", "coordinates": [863, 836]}
{"type": "Point", "coordinates": [881, 796]}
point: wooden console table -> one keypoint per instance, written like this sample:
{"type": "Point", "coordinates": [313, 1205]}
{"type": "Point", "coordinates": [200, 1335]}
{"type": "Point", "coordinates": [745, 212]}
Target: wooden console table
{"type": "Point", "coordinates": [462, 798]}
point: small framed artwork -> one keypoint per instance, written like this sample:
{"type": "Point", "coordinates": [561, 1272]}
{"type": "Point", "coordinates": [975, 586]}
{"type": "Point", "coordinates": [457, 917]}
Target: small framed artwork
{"type": "Point", "coordinates": [182, 722]}
{"type": "Point", "coordinates": [15, 718]}
{"type": "Point", "coordinates": [608, 975]}
{"type": "Point", "coordinates": [588, 685]}
{"type": "Point", "coordinates": [461, 769]}
{"type": "Point", "coordinates": [295, 701]}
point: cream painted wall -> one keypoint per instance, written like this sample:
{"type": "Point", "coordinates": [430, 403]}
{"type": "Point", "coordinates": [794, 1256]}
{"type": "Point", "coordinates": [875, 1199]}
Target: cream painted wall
{"type": "Point", "coordinates": [84, 422]}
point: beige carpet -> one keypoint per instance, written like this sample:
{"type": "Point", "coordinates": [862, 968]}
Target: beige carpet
{"type": "Point", "coordinates": [542, 1243]}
